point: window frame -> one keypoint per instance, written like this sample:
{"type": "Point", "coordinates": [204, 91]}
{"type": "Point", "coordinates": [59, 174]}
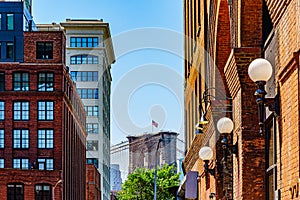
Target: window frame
{"type": "Point", "coordinates": [46, 111]}
{"type": "Point", "coordinates": [2, 163]}
{"type": "Point", "coordinates": [44, 162]}
{"type": "Point", "coordinates": [84, 42]}
{"type": "Point", "coordinates": [271, 168]}
{"type": "Point", "coordinates": [21, 160]}
{"type": "Point", "coordinates": [92, 129]}
{"type": "Point", "coordinates": [2, 138]}
{"type": "Point", "coordinates": [43, 51]}
{"type": "Point", "coordinates": [24, 85]}
{"type": "Point", "coordinates": [7, 22]}
{"type": "Point", "coordinates": [21, 142]}
{"type": "Point", "coordinates": [2, 111]}
{"type": "Point", "coordinates": [10, 50]}
{"type": "Point", "coordinates": [2, 76]}
{"type": "Point", "coordinates": [37, 196]}
{"type": "Point", "coordinates": [24, 115]}
{"type": "Point", "coordinates": [14, 195]}
{"type": "Point", "coordinates": [94, 112]}
{"type": "Point", "coordinates": [45, 142]}
{"type": "Point", "coordinates": [48, 83]}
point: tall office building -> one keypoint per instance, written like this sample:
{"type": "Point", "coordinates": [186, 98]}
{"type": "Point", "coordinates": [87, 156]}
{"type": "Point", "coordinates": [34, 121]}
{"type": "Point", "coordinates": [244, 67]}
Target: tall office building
{"type": "Point", "coordinates": [89, 55]}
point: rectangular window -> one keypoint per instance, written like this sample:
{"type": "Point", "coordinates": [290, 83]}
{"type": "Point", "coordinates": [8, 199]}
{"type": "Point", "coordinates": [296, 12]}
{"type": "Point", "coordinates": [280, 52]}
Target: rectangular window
{"type": "Point", "coordinates": [9, 50]}
{"type": "Point", "coordinates": [1, 138]}
{"type": "Point", "coordinates": [45, 110]}
{"type": "Point", "coordinates": [45, 139]}
{"type": "Point", "coordinates": [2, 77]}
{"type": "Point", "coordinates": [1, 162]}
{"type": "Point", "coordinates": [92, 128]}
{"type": "Point", "coordinates": [15, 192]}
{"type": "Point", "coordinates": [21, 163]}
{"type": "Point", "coordinates": [89, 76]}
{"type": "Point", "coordinates": [2, 110]}
{"type": "Point", "coordinates": [92, 161]}
{"type": "Point", "coordinates": [21, 81]}
{"type": "Point", "coordinates": [92, 145]}
{"type": "Point", "coordinates": [43, 192]}
{"type": "Point", "coordinates": [21, 139]}
{"type": "Point", "coordinates": [87, 93]}
{"type": "Point", "coordinates": [45, 163]}
{"type": "Point", "coordinates": [21, 110]}
{"type": "Point", "coordinates": [91, 110]}
{"type": "Point", "coordinates": [84, 42]}
{"type": "Point", "coordinates": [44, 50]}
{"type": "Point", "coordinates": [83, 59]}
{"type": "Point", "coordinates": [46, 82]}
{"type": "Point", "coordinates": [10, 21]}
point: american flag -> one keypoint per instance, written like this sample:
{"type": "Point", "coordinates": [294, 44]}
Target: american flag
{"type": "Point", "coordinates": [154, 123]}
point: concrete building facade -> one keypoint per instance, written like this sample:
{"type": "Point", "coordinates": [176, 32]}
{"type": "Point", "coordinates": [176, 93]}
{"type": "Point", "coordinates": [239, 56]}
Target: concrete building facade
{"type": "Point", "coordinates": [89, 55]}
{"type": "Point", "coordinates": [223, 38]}
{"type": "Point", "coordinates": [149, 150]}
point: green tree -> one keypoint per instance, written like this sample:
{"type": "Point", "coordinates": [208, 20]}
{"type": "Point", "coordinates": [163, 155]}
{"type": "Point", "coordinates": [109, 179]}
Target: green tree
{"type": "Point", "coordinates": [140, 184]}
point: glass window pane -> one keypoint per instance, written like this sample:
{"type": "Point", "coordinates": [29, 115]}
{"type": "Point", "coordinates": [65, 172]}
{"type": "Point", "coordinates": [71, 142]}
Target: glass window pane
{"type": "Point", "coordinates": [10, 21]}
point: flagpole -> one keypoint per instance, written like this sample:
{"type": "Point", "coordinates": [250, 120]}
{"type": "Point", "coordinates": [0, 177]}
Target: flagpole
{"type": "Point", "coordinates": [152, 126]}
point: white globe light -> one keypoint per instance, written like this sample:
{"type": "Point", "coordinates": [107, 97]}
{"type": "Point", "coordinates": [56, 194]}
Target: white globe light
{"type": "Point", "coordinates": [206, 153]}
{"type": "Point", "coordinates": [260, 70]}
{"type": "Point", "coordinates": [225, 125]}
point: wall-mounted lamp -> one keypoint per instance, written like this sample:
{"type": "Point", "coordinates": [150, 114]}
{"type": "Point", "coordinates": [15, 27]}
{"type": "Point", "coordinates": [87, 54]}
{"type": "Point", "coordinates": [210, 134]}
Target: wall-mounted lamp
{"type": "Point", "coordinates": [260, 71]}
{"type": "Point", "coordinates": [225, 126]}
{"type": "Point", "coordinates": [206, 99]}
{"type": "Point", "coordinates": [212, 195]}
{"type": "Point", "coordinates": [206, 154]}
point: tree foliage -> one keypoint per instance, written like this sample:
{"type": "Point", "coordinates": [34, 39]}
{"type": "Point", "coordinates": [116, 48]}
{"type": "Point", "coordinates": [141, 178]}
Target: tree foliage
{"type": "Point", "coordinates": [140, 184]}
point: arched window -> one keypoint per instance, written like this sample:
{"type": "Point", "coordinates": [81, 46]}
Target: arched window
{"type": "Point", "coordinates": [84, 59]}
{"type": "Point", "coordinates": [15, 191]}
{"type": "Point", "coordinates": [43, 192]}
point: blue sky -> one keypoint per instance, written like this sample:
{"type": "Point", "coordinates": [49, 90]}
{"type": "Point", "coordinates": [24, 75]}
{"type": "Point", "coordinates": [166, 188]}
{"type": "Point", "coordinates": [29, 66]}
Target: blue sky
{"type": "Point", "coordinates": [137, 95]}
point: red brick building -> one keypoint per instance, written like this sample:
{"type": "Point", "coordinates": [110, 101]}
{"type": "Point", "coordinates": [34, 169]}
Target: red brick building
{"type": "Point", "coordinates": [223, 38]}
{"type": "Point", "coordinates": [42, 127]}
{"type": "Point", "coordinates": [93, 183]}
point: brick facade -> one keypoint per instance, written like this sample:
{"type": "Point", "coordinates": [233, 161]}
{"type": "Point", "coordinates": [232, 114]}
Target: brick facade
{"type": "Point", "coordinates": [93, 183]}
{"type": "Point", "coordinates": [233, 33]}
{"type": "Point", "coordinates": [67, 178]}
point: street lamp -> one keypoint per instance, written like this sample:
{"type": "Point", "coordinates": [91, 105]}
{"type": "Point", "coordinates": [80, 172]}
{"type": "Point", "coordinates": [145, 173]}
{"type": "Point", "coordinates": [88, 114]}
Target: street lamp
{"type": "Point", "coordinates": [206, 154]}
{"type": "Point", "coordinates": [225, 126]}
{"type": "Point", "coordinates": [53, 189]}
{"type": "Point", "coordinates": [260, 71]}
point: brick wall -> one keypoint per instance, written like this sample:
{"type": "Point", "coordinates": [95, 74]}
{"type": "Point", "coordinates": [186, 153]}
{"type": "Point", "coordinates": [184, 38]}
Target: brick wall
{"type": "Point", "coordinates": [93, 185]}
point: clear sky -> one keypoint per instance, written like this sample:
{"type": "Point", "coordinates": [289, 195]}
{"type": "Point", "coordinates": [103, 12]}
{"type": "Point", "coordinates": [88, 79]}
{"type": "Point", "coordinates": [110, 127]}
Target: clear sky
{"type": "Point", "coordinates": [148, 72]}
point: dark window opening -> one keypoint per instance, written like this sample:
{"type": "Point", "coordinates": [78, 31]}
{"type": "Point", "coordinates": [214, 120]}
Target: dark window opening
{"type": "Point", "coordinates": [15, 192]}
{"type": "Point", "coordinates": [44, 50]}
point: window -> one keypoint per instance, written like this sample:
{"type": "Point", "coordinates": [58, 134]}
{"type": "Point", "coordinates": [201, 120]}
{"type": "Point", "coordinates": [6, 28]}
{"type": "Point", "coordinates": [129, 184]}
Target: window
{"type": "Point", "coordinates": [44, 50]}
{"type": "Point", "coordinates": [46, 110]}
{"type": "Point", "coordinates": [271, 163]}
{"type": "Point", "coordinates": [92, 161]}
{"type": "Point", "coordinates": [91, 110]}
{"type": "Point", "coordinates": [9, 50]}
{"type": "Point", "coordinates": [21, 139]}
{"type": "Point", "coordinates": [45, 139]}
{"type": "Point", "coordinates": [21, 81]}
{"type": "Point", "coordinates": [92, 145]}
{"type": "Point", "coordinates": [2, 110]}
{"type": "Point", "coordinates": [15, 191]}
{"type": "Point", "coordinates": [1, 162]}
{"type": "Point", "coordinates": [84, 59]}
{"type": "Point", "coordinates": [21, 110]}
{"type": "Point", "coordinates": [10, 22]}
{"type": "Point", "coordinates": [45, 163]}
{"type": "Point", "coordinates": [84, 76]}
{"type": "Point", "coordinates": [46, 82]}
{"type": "Point", "coordinates": [87, 93]}
{"type": "Point", "coordinates": [2, 77]}
{"type": "Point", "coordinates": [43, 192]}
{"type": "Point", "coordinates": [92, 128]}
{"type": "Point", "coordinates": [84, 42]}
{"type": "Point", "coordinates": [0, 29]}
{"type": "Point", "coordinates": [1, 138]}
{"type": "Point", "coordinates": [21, 163]}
